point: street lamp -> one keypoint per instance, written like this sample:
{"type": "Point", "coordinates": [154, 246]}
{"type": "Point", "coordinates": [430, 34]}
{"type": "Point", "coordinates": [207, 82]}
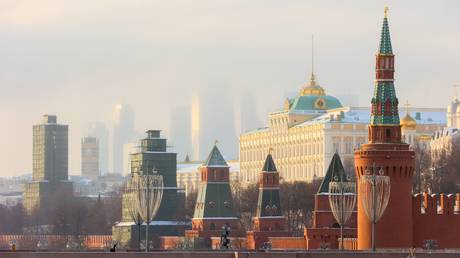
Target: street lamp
{"type": "Point", "coordinates": [375, 193]}
{"type": "Point", "coordinates": [342, 199]}
{"type": "Point", "coordinates": [131, 195]}
{"type": "Point", "coordinates": [148, 198]}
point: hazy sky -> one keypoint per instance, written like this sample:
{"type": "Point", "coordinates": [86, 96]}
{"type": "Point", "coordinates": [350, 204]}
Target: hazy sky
{"type": "Point", "coordinates": [77, 59]}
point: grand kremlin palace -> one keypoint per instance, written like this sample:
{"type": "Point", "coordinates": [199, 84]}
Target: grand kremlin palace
{"type": "Point", "coordinates": [312, 126]}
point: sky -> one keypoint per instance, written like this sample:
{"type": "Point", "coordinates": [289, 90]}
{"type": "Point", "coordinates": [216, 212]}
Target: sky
{"type": "Point", "coordinates": [78, 59]}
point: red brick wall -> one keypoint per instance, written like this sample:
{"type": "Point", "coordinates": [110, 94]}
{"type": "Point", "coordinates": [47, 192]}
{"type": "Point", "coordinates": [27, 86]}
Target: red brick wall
{"type": "Point", "coordinates": [322, 215]}
{"type": "Point", "coordinates": [327, 237]}
{"type": "Point", "coordinates": [442, 226]}
{"type": "Point", "coordinates": [286, 243]}
{"type": "Point", "coordinates": [231, 254]}
{"type": "Point", "coordinates": [29, 242]}
{"type": "Point", "coordinates": [394, 230]}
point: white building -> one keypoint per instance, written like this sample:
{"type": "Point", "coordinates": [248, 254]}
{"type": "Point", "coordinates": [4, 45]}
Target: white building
{"type": "Point", "coordinates": [447, 139]}
{"type": "Point", "coordinates": [188, 175]}
{"type": "Point", "coordinates": [312, 126]}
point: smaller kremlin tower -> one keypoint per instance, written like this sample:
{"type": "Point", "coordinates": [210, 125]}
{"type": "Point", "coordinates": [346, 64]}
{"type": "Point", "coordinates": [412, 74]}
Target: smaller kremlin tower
{"type": "Point", "coordinates": [268, 221]}
{"type": "Point", "coordinates": [214, 204]}
{"type": "Point", "coordinates": [325, 231]}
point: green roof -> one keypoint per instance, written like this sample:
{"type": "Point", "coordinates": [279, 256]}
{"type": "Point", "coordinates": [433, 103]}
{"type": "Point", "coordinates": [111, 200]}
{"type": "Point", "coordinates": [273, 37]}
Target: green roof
{"type": "Point", "coordinates": [269, 165]}
{"type": "Point", "coordinates": [214, 200]}
{"type": "Point", "coordinates": [309, 102]}
{"type": "Point", "coordinates": [385, 40]}
{"type": "Point", "coordinates": [269, 204]}
{"type": "Point", "coordinates": [215, 158]}
{"type": "Point", "coordinates": [335, 171]}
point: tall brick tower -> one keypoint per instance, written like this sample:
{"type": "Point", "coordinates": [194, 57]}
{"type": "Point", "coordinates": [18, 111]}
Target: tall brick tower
{"type": "Point", "coordinates": [214, 204]}
{"type": "Point", "coordinates": [386, 151]}
{"type": "Point", "coordinates": [269, 220]}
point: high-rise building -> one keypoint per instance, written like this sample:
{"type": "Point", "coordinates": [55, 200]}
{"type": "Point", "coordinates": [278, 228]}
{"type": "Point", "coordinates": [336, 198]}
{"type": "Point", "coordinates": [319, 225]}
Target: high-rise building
{"type": "Point", "coordinates": [195, 128]}
{"type": "Point", "coordinates": [50, 150]}
{"type": "Point", "coordinates": [181, 132]}
{"type": "Point", "coordinates": [90, 157]}
{"type": "Point", "coordinates": [99, 131]}
{"type": "Point", "coordinates": [50, 163]}
{"type": "Point", "coordinates": [123, 132]}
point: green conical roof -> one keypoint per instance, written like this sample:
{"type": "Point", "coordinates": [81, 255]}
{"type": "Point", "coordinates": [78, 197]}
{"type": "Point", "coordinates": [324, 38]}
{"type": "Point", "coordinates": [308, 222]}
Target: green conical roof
{"type": "Point", "coordinates": [269, 165]}
{"type": "Point", "coordinates": [335, 171]}
{"type": "Point", "coordinates": [215, 158]}
{"type": "Point", "coordinates": [214, 200]}
{"type": "Point", "coordinates": [385, 40]}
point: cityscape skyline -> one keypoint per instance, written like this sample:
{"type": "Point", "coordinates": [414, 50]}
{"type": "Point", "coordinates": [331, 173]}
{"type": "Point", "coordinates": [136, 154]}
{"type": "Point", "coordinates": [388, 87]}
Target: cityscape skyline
{"type": "Point", "coordinates": [186, 131]}
{"type": "Point", "coordinates": [56, 78]}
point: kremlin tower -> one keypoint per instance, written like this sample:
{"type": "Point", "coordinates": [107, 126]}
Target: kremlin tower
{"type": "Point", "coordinates": [269, 220]}
{"type": "Point", "coordinates": [214, 204]}
{"type": "Point", "coordinates": [386, 152]}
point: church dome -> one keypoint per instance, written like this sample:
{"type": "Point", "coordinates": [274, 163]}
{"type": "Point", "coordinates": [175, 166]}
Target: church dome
{"type": "Point", "coordinates": [408, 122]}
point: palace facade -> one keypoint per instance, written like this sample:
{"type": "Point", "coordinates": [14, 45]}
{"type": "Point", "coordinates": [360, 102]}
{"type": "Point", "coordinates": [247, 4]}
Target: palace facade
{"type": "Point", "coordinates": [305, 137]}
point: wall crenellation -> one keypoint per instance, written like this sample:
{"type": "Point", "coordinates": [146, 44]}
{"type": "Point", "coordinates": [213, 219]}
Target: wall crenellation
{"type": "Point", "coordinates": [436, 204]}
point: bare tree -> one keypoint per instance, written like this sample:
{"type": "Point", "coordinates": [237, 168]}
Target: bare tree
{"type": "Point", "coordinates": [245, 202]}
{"type": "Point", "coordinates": [297, 201]}
{"type": "Point", "coordinates": [12, 219]}
{"type": "Point", "coordinates": [190, 204]}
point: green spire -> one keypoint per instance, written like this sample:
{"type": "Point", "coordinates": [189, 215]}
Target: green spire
{"type": "Point", "coordinates": [269, 204]}
{"type": "Point", "coordinates": [269, 165]}
{"type": "Point", "coordinates": [335, 171]}
{"type": "Point", "coordinates": [385, 40]}
{"type": "Point", "coordinates": [215, 158]}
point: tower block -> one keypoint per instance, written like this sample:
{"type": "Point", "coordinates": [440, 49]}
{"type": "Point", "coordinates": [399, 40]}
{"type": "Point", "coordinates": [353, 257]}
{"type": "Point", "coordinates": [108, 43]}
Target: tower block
{"type": "Point", "coordinates": [214, 204]}
{"type": "Point", "coordinates": [268, 221]}
{"type": "Point", "coordinates": [385, 150]}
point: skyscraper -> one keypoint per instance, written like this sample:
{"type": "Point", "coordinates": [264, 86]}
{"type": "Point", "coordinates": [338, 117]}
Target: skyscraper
{"type": "Point", "coordinates": [50, 150]}
{"type": "Point", "coordinates": [99, 131]}
{"type": "Point", "coordinates": [50, 164]}
{"type": "Point", "coordinates": [90, 157]}
{"type": "Point", "coordinates": [181, 132]}
{"type": "Point", "coordinates": [195, 128]}
{"type": "Point", "coordinates": [123, 132]}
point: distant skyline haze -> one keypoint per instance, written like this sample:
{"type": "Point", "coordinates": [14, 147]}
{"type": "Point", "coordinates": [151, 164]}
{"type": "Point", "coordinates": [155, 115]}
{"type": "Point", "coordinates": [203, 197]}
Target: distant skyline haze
{"type": "Point", "coordinates": [78, 59]}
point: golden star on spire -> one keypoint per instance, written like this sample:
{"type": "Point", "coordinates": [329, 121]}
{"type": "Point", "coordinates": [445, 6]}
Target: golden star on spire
{"type": "Point", "coordinates": [386, 11]}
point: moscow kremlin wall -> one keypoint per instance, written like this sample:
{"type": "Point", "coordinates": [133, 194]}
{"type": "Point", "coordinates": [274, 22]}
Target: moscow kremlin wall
{"type": "Point", "coordinates": [408, 221]}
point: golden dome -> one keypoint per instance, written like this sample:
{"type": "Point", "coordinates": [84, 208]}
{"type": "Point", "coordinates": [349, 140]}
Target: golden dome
{"type": "Point", "coordinates": [312, 88]}
{"type": "Point", "coordinates": [408, 122]}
